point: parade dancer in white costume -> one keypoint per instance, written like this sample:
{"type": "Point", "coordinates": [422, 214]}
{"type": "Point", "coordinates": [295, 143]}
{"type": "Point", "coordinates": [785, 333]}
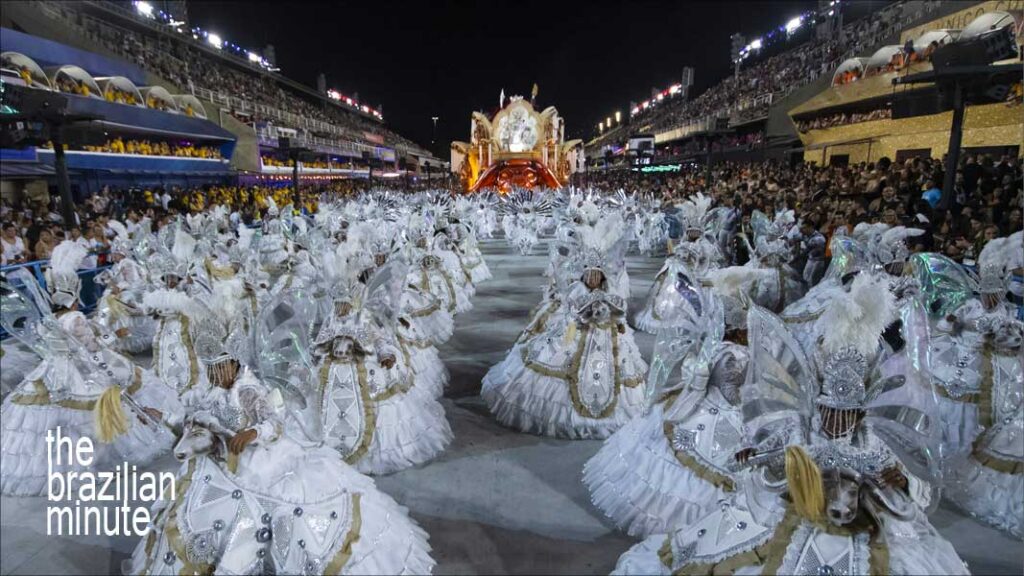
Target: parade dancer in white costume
{"type": "Point", "coordinates": [581, 376]}
{"type": "Point", "coordinates": [696, 254]}
{"type": "Point", "coordinates": [650, 227]}
{"type": "Point", "coordinates": [119, 310]}
{"type": "Point", "coordinates": [414, 329]}
{"type": "Point", "coordinates": [976, 368]}
{"type": "Point", "coordinates": [767, 279]}
{"type": "Point", "coordinates": [252, 500]}
{"type": "Point", "coordinates": [523, 216]}
{"type": "Point", "coordinates": [841, 439]}
{"type": "Point", "coordinates": [667, 467]}
{"type": "Point", "coordinates": [82, 385]}
{"type": "Point", "coordinates": [364, 398]}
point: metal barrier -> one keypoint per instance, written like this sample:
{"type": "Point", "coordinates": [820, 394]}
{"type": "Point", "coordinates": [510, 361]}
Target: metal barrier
{"type": "Point", "coordinates": [89, 295]}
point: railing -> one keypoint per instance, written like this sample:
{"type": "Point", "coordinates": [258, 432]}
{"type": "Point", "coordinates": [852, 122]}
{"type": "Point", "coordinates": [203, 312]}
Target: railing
{"type": "Point", "coordinates": [89, 295]}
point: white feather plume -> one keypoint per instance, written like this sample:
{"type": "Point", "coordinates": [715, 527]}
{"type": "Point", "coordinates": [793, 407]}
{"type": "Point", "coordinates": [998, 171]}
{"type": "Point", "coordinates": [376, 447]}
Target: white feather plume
{"type": "Point", "coordinates": [245, 236]}
{"type": "Point", "coordinates": [604, 233]}
{"type": "Point", "coordinates": [67, 257]}
{"type": "Point", "coordinates": [184, 246]}
{"type": "Point", "coordinates": [168, 302]}
{"type": "Point", "coordinates": [120, 231]}
{"type": "Point", "coordinates": [731, 281]}
{"type": "Point", "coordinates": [858, 317]}
{"type": "Point", "coordinates": [898, 233]}
{"type": "Point", "coordinates": [1005, 252]}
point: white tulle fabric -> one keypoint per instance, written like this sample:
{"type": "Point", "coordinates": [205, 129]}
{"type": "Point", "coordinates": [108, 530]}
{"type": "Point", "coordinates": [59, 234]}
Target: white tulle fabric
{"type": "Point", "coordinates": [411, 429]}
{"type": "Point", "coordinates": [636, 480]}
{"type": "Point", "coordinates": [23, 449]}
{"type": "Point", "coordinates": [528, 401]}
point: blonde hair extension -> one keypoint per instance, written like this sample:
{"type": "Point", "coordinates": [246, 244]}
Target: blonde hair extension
{"type": "Point", "coordinates": [109, 415]}
{"type": "Point", "coordinates": [805, 485]}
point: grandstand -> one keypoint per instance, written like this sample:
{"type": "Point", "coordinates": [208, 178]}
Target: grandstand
{"type": "Point", "coordinates": [210, 95]}
{"type": "Point", "coordinates": [747, 116]}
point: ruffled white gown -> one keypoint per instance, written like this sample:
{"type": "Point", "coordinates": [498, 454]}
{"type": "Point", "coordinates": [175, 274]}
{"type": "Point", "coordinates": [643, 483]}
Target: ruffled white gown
{"type": "Point", "coordinates": [758, 532]}
{"type": "Point", "coordinates": [62, 391]}
{"type": "Point", "coordinates": [381, 420]}
{"type": "Point", "coordinates": [281, 506]}
{"type": "Point", "coordinates": [666, 468]}
{"type": "Point", "coordinates": [473, 261]}
{"type": "Point", "coordinates": [981, 387]}
{"type": "Point", "coordinates": [577, 376]}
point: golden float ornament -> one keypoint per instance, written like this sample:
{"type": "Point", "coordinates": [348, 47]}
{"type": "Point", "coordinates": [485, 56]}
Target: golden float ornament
{"type": "Point", "coordinates": [517, 148]}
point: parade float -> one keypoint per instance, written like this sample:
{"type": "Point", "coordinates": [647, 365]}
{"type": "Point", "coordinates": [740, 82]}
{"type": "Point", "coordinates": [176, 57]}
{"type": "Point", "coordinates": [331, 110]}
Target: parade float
{"type": "Point", "coordinates": [517, 147]}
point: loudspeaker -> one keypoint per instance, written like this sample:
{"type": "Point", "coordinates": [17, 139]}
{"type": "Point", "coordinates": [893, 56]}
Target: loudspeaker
{"type": "Point", "coordinates": [984, 49]}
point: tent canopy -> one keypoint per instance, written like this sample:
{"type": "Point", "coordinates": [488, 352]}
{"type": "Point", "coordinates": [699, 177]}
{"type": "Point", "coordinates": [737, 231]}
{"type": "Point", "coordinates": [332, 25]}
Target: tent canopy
{"type": "Point", "coordinates": [78, 75]}
{"type": "Point", "coordinates": [123, 84]}
{"type": "Point", "coordinates": [186, 101]}
{"type": "Point", "coordinates": [941, 37]}
{"type": "Point", "coordinates": [986, 23]}
{"type": "Point", "coordinates": [848, 65]}
{"type": "Point", "coordinates": [882, 56]}
{"type": "Point", "coordinates": [15, 61]}
{"type": "Point", "coordinates": [161, 95]}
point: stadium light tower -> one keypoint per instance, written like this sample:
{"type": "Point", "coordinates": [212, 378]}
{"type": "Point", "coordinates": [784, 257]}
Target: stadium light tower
{"type": "Point", "coordinates": [738, 44]}
{"type": "Point", "coordinates": [433, 135]}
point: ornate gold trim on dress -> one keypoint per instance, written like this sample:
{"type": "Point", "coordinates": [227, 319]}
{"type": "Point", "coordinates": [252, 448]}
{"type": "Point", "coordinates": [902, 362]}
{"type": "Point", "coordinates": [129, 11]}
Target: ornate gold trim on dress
{"type": "Point", "coordinates": [173, 532]}
{"type": "Point", "coordinates": [345, 552]}
{"type": "Point", "coordinates": [770, 554]}
{"type": "Point", "coordinates": [426, 311]}
{"type": "Point", "coordinates": [41, 396]}
{"type": "Point", "coordinates": [193, 362]}
{"type": "Point", "coordinates": [369, 407]}
{"type": "Point", "coordinates": [703, 472]}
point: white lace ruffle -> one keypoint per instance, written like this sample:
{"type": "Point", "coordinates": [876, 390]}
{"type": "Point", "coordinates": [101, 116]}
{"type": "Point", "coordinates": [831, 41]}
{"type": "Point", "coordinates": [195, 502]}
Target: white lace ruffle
{"type": "Point", "coordinates": [636, 480]}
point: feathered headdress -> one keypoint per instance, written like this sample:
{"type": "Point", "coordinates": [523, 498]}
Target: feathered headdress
{"type": "Point", "coordinates": [856, 318]}
{"type": "Point", "coordinates": [694, 210]}
{"type": "Point", "coordinates": [121, 243]}
{"type": "Point", "coordinates": [62, 279]}
{"type": "Point", "coordinates": [997, 260]}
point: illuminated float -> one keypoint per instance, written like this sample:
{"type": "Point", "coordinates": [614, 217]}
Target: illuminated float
{"type": "Point", "coordinates": [516, 148]}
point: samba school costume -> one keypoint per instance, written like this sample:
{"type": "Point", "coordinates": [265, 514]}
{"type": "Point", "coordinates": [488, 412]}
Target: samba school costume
{"type": "Point", "coordinates": [252, 500]}
{"type": "Point", "coordinates": [976, 369]}
{"type": "Point", "coordinates": [120, 310]}
{"type": "Point", "coordinates": [669, 466]}
{"type": "Point", "coordinates": [579, 376]}
{"type": "Point", "coordinates": [358, 392]}
{"type": "Point", "coordinates": [695, 253]}
{"type": "Point", "coordinates": [833, 481]}
{"type": "Point", "coordinates": [81, 384]}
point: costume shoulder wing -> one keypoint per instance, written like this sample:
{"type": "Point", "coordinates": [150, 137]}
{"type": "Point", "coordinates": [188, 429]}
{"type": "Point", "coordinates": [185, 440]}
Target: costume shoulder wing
{"type": "Point", "coordinates": [902, 404]}
{"type": "Point", "coordinates": [24, 308]}
{"type": "Point", "coordinates": [945, 285]}
{"type": "Point", "coordinates": [777, 395]}
{"type": "Point", "coordinates": [282, 335]}
{"type": "Point", "coordinates": [848, 255]}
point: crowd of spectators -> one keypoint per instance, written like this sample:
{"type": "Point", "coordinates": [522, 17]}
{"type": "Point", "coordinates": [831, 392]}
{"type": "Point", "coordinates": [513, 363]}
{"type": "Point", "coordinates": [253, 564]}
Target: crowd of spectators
{"type": "Point", "coordinates": [120, 145]}
{"type": "Point", "coordinates": [986, 201]}
{"type": "Point", "coordinates": [746, 94]}
{"type": "Point", "coordinates": [189, 68]}
{"type": "Point", "coordinates": [720, 143]}
{"type": "Point", "coordinates": [32, 226]}
{"type": "Point", "coordinates": [842, 119]}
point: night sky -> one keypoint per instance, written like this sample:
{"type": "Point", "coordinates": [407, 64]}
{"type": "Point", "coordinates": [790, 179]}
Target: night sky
{"type": "Point", "coordinates": [448, 58]}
